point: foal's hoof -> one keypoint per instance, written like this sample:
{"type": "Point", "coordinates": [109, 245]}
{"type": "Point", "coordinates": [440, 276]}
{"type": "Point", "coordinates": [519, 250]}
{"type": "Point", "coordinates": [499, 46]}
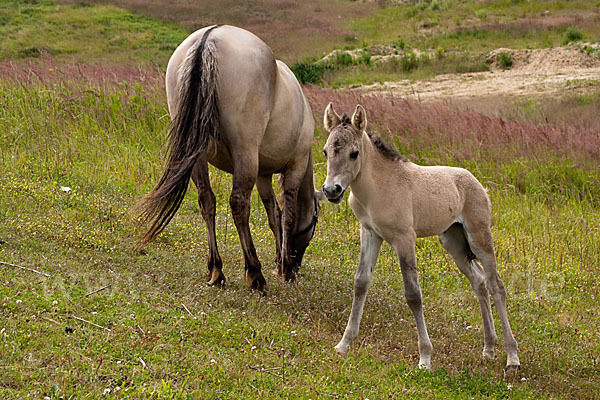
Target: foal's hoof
{"type": "Point", "coordinates": [341, 348]}
{"type": "Point", "coordinates": [215, 278]}
{"type": "Point", "coordinates": [488, 354]}
{"type": "Point", "coordinates": [511, 371]}
{"type": "Point", "coordinates": [512, 368]}
{"type": "Point", "coordinates": [425, 365]}
{"type": "Point", "coordinates": [256, 282]}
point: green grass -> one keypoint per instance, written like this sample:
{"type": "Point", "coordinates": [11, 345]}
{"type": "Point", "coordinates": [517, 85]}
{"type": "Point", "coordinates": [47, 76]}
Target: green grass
{"type": "Point", "coordinates": [407, 67]}
{"type": "Point", "coordinates": [464, 31]}
{"type": "Point", "coordinates": [84, 32]}
{"type": "Point", "coordinates": [475, 25]}
{"type": "Point", "coordinates": [104, 143]}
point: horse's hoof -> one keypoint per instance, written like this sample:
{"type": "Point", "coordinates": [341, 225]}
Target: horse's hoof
{"type": "Point", "coordinates": [257, 283]}
{"type": "Point", "coordinates": [290, 277]}
{"type": "Point", "coordinates": [215, 278]}
{"type": "Point", "coordinates": [287, 275]}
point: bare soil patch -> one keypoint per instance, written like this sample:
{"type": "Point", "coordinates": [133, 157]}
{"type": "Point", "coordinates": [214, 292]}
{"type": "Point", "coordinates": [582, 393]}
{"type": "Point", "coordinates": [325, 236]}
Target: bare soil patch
{"type": "Point", "coordinates": [573, 68]}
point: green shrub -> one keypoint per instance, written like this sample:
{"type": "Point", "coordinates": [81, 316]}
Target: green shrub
{"type": "Point", "coordinates": [572, 34]}
{"type": "Point", "coordinates": [439, 53]}
{"type": "Point", "coordinates": [409, 61]}
{"type": "Point", "coordinates": [400, 43]}
{"type": "Point", "coordinates": [343, 59]}
{"type": "Point", "coordinates": [481, 14]}
{"type": "Point", "coordinates": [364, 58]}
{"type": "Point", "coordinates": [308, 72]}
{"type": "Point", "coordinates": [422, 6]}
{"type": "Point", "coordinates": [505, 60]}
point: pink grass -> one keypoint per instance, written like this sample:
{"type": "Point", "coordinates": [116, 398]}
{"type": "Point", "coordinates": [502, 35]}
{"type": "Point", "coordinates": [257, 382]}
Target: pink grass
{"type": "Point", "coordinates": [443, 128]}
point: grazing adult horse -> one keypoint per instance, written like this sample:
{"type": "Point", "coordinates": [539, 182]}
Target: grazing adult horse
{"type": "Point", "coordinates": [233, 105]}
{"type": "Point", "coordinates": [398, 201]}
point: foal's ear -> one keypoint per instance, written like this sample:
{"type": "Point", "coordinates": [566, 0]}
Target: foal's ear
{"type": "Point", "coordinates": [359, 118]}
{"type": "Point", "coordinates": [330, 118]}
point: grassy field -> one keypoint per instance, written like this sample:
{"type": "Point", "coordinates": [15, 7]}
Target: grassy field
{"type": "Point", "coordinates": [80, 143]}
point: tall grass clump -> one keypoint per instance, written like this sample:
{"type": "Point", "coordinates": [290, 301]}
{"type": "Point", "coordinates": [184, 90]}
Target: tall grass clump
{"type": "Point", "coordinates": [572, 34]}
{"type": "Point", "coordinates": [74, 132]}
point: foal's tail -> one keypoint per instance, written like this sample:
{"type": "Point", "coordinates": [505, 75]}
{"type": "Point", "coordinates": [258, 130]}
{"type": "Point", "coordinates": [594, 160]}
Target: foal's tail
{"type": "Point", "coordinates": [195, 130]}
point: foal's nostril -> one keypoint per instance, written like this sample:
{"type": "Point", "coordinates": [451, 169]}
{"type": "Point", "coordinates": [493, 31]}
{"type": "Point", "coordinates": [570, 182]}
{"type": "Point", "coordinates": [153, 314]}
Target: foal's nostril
{"type": "Point", "coordinates": [332, 191]}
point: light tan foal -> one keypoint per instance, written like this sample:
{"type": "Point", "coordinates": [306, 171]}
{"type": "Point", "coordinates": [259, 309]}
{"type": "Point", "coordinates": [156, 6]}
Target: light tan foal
{"type": "Point", "coordinates": [398, 201]}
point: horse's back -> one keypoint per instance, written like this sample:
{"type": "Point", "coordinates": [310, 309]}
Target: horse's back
{"type": "Point", "coordinates": [246, 69]}
{"type": "Point", "coordinates": [259, 99]}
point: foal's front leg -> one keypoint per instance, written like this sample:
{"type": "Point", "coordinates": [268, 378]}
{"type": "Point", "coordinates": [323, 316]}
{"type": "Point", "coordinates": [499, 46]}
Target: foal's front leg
{"type": "Point", "coordinates": [370, 243]}
{"type": "Point", "coordinates": [405, 248]}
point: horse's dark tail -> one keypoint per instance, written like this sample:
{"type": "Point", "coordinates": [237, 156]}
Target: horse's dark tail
{"type": "Point", "coordinates": [194, 131]}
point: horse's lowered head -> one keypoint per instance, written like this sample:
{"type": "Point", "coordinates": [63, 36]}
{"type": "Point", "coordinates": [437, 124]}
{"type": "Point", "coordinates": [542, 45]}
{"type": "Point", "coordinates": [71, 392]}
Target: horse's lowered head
{"type": "Point", "coordinates": [342, 150]}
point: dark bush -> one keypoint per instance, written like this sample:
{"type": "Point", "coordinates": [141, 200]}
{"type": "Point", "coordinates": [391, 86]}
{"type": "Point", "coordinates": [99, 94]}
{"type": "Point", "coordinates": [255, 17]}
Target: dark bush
{"type": "Point", "coordinates": [308, 72]}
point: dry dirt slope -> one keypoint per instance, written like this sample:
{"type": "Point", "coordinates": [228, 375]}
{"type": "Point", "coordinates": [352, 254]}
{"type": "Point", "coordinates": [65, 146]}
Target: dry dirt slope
{"type": "Point", "coordinates": [534, 72]}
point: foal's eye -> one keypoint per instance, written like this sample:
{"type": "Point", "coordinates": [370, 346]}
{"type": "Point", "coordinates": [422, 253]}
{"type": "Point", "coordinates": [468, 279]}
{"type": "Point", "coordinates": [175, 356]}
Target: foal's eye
{"type": "Point", "coordinates": [325, 153]}
{"type": "Point", "coordinates": [354, 155]}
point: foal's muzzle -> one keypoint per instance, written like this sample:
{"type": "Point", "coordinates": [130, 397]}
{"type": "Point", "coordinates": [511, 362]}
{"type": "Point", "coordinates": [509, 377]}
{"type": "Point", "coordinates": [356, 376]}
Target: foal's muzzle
{"type": "Point", "coordinates": [334, 193]}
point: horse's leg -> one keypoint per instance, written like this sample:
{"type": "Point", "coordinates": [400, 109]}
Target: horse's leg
{"type": "Point", "coordinates": [267, 195]}
{"type": "Point", "coordinates": [292, 179]}
{"type": "Point", "coordinates": [405, 249]}
{"type": "Point", "coordinates": [370, 243]}
{"type": "Point", "coordinates": [207, 202]}
{"type": "Point", "coordinates": [482, 245]}
{"type": "Point", "coordinates": [455, 243]}
{"type": "Point", "coordinates": [245, 172]}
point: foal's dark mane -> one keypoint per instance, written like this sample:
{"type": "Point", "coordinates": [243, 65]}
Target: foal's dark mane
{"type": "Point", "coordinates": [385, 149]}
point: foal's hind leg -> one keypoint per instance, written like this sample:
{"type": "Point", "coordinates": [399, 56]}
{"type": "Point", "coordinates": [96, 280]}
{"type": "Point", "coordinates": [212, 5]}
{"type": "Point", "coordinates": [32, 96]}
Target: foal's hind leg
{"type": "Point", "coordinates": [207, 202]}
{"type": "Point", "coordinates": [482, 244]}
{"type": "Point", "coordinates": [405, 248]}
{"type": "Point", "coordinates": [455, 243]}
{"type": "Point", "coordinates": [267, 195]}
{"type": "Point", "coordinates": [244, 176]}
